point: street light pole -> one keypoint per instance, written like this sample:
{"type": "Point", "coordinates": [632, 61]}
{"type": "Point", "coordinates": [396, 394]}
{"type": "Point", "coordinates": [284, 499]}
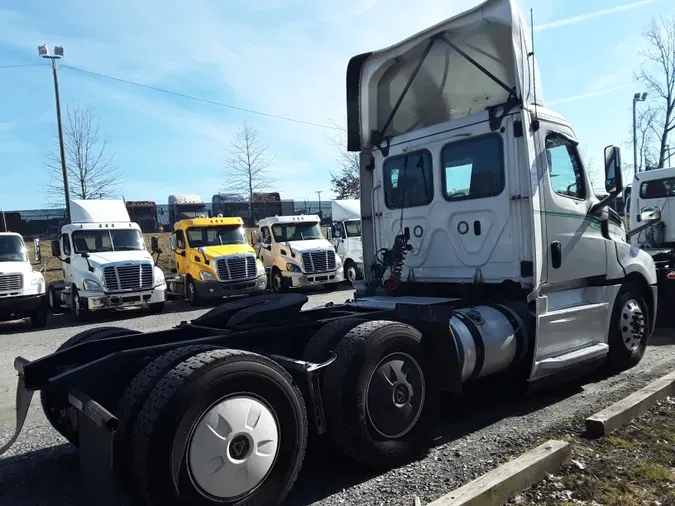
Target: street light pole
{"type": "Point", "coordinates": [638, 97]}
{"type": "Point", "coordinates": [318, 194]}
{"type": "Point", "coordinates": [58, 53]}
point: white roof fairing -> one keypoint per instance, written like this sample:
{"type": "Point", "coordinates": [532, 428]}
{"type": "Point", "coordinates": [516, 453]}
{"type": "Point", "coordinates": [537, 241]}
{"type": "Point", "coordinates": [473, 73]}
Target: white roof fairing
{"type": "Point", "coordinates": [447, 85]}
{"type": "Point", "coordinates": [98, 211]}
{"type": "Point", "coordinates": [347, 209]}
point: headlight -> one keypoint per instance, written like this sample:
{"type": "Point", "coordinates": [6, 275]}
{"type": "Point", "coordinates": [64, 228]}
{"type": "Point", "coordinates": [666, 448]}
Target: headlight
{"type": "Point", "coordinates": [338, 260]}
{"type": "Point", "coordinates": [259, 268]}
{"type": "Point", "coordinates": [36, 281]}
{"type": "Point", "coordinates": [293, 267]}
{"type": "Point", "coordinates": [206, 276]}
{"type": "Point", "coordinates": [159, 277]}
{"type": "Point", "coordinates": [91, 285]}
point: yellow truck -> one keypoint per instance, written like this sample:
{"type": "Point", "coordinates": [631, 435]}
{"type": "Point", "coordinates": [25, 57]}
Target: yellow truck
{"type": "Point", "coordinates": [212, 259]}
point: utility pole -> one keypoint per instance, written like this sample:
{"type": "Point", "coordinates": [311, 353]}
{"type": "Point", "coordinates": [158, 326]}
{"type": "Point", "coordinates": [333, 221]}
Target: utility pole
{"type": "Point", "coordinates": [638, 97]}
{"type": "Point", "coordinates": [58, 54]}
{"type": "Point", "coordinates": [318, 193]}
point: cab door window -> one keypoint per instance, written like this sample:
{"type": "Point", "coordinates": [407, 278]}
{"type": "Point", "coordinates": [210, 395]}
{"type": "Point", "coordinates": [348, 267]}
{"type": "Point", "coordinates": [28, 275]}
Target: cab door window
{"type": "Point", "coordinates": [65, 242]}
{"type": "Point", "coordinates": [180, 239]}
{"type": "Point", "coordinates": [266, 236]}
{"type": "Point", "coordinates": [408, 180]}
{"type": "Point", "coordinates": [565, 172]}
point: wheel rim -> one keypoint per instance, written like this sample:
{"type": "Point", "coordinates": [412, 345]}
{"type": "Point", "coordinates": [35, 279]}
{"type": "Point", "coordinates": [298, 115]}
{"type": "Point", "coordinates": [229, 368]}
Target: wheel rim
{"type": "Point", "coordinates": [76, 304]}
{"type": "Point", "coordinates": [632, 324]}
{"type": "Point", "coordinates": [233, 447]}
{"type": "Point", "coordinates": [191, 291]}
{"type": "Point", "coordinates": [277, 282]}
{"type": "Point", "coordinates": [395, 395]}
{"type": "Point", "coordinates": [351, 273]}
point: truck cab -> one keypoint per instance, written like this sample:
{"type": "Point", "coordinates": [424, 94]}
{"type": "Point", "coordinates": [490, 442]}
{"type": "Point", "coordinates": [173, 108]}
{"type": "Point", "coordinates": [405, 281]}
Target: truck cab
{"type": "Point", "coordinates": [22, 289]}
{"type": "Point", "coordinates": [183, 206]}
{"type": "Point", "coordinates": [105, 263]}
{"type": "Point", "coordinates": [346, 237]}
{"type": "Point", "coordinates": [296, 254]}
{"type": "Point", "coordinates": [214, 259]}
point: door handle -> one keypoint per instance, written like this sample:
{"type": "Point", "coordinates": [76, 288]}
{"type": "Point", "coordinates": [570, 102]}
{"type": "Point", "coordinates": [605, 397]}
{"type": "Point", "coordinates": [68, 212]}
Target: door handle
{"type": "Point", "coordinates": [556, 254]}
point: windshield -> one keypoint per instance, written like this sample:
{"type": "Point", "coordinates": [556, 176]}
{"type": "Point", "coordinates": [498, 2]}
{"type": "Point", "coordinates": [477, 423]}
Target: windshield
{"type": "Point", "coordinates": [12, 249]}
{"type": "Point", "coordinates": [296, 232]}
{"type": "Point", "coordinates": [98, 241]}
{"type": "Point", "coordinates": [353, 228]}
{"type": "Point", "coordinates": [216, 236]}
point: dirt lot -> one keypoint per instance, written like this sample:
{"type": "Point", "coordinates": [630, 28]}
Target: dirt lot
{"type": "Point", "coordinates": [633, 466]}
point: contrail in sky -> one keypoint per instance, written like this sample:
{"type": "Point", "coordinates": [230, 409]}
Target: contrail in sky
{"type": "Point", "coordinates": [591, 15]}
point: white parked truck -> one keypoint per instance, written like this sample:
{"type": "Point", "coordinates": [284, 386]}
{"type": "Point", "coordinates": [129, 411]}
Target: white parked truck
{"type": "Point", "coordinates": [486, 254]}
{"type": "Point", "coordinates": [346, 237]}
{"type": "Point", "coordinates": [105, 262]}
{"type": "Point", "coordinates": [22, 289]}
{"type": "Point", "coordinates": [296, 254]}
{"type": "Point", "coordinates": [651, 219]}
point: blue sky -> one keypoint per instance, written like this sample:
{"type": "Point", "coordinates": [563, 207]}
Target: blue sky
{"type": "Point", "coordinates": [285, 57]}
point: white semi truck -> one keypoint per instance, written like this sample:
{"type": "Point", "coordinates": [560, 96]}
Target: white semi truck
{"type": "Point", "coordinates": [22, 289]}
{"type": "Point", "coordinates": [346, 236]}
{"type": "Point", "coordinates": [486, 255]}
{"type": "Point", "coordinates": [296, 254]}
{"type": "Point", "coordinates": [105, 262]}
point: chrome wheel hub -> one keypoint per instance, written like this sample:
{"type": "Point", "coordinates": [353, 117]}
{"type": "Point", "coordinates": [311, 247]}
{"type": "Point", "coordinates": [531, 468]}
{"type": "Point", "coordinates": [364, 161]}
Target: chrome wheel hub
{"type": "Point", "coordinates": [632, 324]}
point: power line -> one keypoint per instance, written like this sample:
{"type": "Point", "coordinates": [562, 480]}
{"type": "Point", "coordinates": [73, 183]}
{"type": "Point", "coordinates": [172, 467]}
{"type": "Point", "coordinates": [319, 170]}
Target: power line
{"type": "Point", "coordinates": [198, 99]}
{"type": "Point", "coordinates": [22, 65]}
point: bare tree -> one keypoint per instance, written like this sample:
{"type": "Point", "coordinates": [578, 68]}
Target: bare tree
{"type": "Point", "coordinates": [658, 74]}
{"type": "Point", "coordinates": [91, 172]}
{"type": "Point", "coordinates": [247, 166]}
{"type": "Point", "coordinates": [346, 183]}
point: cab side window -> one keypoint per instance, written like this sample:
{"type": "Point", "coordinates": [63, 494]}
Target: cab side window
{"type": "Point", "coordinates": [180, 239]}
{"type": "Point", "coordinates": [567, 176]}
{"type": "Point", "coordinates": [266, 236]}
{"type": "Point", "coordinates": [65, 242]}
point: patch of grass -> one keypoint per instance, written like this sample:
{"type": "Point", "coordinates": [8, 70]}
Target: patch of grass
{"type": "Point", "coordinates": [631, 467]}
{"type": "Point", "coordinates": [622, 443]}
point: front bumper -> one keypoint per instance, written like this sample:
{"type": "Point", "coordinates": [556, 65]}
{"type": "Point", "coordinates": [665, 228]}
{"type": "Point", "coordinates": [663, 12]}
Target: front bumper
{"type": "Point", "coordinates": [21, 306]}
{"type": "Point", "coordinates": [300, 279]}
{"type": "Point", "coordinates": [99, 300]}
{"type": "Point", "coordinates": [216, 289]}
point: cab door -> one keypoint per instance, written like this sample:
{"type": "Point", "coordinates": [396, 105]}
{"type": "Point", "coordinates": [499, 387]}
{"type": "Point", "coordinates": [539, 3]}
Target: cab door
{"type": "Point", "coordinates": [265, 251]}
{"type": "Point", "coordinates": [180, 256]}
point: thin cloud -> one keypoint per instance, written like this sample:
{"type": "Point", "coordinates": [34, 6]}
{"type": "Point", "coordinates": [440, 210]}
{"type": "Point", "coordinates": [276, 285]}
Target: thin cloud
{"type": "Point", "coordinates": [592, 15]}
{"type": "Point", "coordinates": [591, 94]}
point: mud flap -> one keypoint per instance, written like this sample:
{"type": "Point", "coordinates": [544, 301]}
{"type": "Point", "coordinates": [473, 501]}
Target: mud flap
{"type": "Point", "coordinates": [23, 398]}
{"type": "Point", "coordinates": [97, 431]}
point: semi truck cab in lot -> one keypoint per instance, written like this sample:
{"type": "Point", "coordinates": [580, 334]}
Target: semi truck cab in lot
{"type": "Point", "coordinates": [346, 237]}
{"type": "Point", "coordinates": [105, 263]}
{"type": "Point", "coordinates": [486, 255]}
{"type": "Point", "coordinates": [296, 254]}
{"type": "Point", "coordinates": [213, 259]}
{"type": "Point", "coordinates": [22, 289]}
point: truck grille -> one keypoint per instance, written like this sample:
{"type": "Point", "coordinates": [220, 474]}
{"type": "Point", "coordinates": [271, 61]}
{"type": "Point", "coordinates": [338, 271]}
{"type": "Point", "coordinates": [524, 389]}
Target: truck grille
{"type": "Point", "coordinates": [128, 277]}
{"type": "Point", "coordinates": [11, 282]}
{"type": "Point", "coordinates": [236, 268]}
{"type": "Point", "coordinates": [318, 261]}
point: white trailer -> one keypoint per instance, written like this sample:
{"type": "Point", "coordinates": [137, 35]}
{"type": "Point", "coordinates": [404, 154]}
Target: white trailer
{"type": "Point", "coordinates": [346, 237]}
{"type": "Point", "coordinates": [22, 289]}
{"type": "Point", "coordinates": [296, 254]}
{"type": "Point", "coordinates": [105, 262]}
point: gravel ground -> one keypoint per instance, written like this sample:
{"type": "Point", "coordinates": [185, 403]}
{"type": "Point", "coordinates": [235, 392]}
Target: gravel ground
{"type": "Point", "coordinates": [479, 430]}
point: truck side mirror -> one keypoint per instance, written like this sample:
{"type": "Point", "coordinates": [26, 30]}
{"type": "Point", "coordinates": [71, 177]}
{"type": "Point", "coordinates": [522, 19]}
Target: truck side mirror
{"type": "Point", "coordinates": [154, 243]}
{"type": "Point", "coordinates": [256, 237]}
{"type": "Point", "coordinates": [172, 242]}
{"type": "Point", "coordinates": [613, 176]}
{"type": "Point", "coordinates": [36, 250]}
{"type": "Point", "coordinates": [56, 249]}
{"type": "Point", "coordinates": [330, 232]}
{"type": "Point", "coordinates": [650, 214]}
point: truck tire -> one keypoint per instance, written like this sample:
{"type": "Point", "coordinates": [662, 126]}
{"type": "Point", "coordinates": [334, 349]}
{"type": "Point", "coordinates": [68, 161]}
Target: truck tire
{"type": "Point", "coordinates": [380, 395]}
{"type": "Point", "coordinates": [135, 394]}
{"type": "Point", "coordinates": [191, 292]}
{"type": "Point", "coordinates": [38, 318]}
{"type": "Point", "coordinates": [326, 339]}
{"type": "Point", "coordinates": [277, 281]}
{"type": "Point", "coordinates": [157, 307]}
{"type": "Point", "coordinates": [204, 421]}
{"type": "Point", "coordinates": [55, 402]}
{"type": "Point", "coordinates": [629, 329]}
{"type": "Point", "coordinates": [53, 300]}
{"type": "Point", "coordinates": [351, 272]}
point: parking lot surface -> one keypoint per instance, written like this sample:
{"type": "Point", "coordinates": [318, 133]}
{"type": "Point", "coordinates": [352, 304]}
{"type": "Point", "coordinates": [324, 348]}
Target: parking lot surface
{"type": "Point", "coordinates": [478, 430]}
